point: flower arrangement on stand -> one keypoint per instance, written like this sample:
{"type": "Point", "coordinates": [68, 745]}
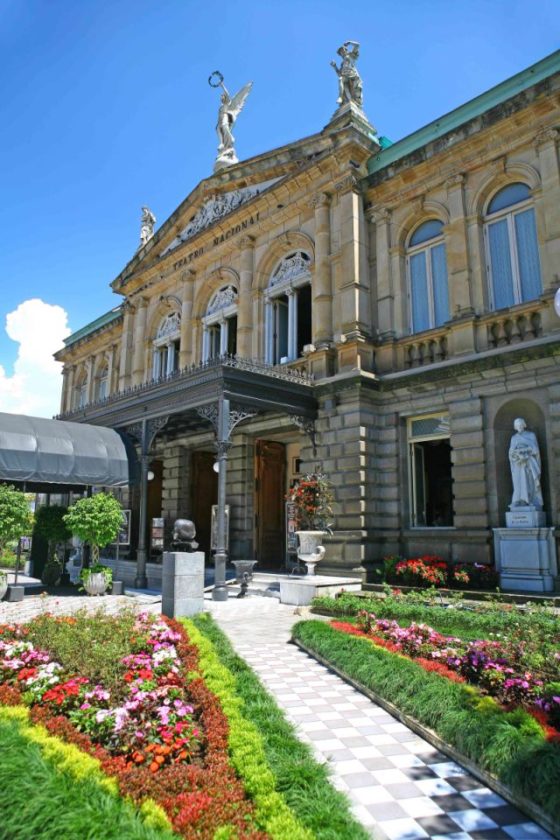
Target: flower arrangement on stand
{"type": "Point", "coordinates": [312, 498]}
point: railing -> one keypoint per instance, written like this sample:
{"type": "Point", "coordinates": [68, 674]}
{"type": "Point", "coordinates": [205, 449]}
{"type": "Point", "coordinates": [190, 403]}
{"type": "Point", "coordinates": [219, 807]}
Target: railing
{"type": "Point", "coordinates": [513, 328]}
{"type": "Point", "coordinates": [428, 350]}
{"type": "Point", "coordinates": [191, 374]}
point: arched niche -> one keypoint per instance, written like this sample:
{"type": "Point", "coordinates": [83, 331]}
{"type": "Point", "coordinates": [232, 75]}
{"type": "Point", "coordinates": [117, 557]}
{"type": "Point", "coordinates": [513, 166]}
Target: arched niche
{"type": "Point", "coordinates": [501, 433]}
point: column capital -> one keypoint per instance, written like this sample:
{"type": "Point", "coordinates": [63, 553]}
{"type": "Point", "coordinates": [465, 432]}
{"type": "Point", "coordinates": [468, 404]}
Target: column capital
{"type": "Point", "coordinates": [189, 274]}
{"type": "Point", "coordinates": [378, 215]}
{"type": "Point", "coordinates": [245, 241]}
{"type": "Point", "coordinates": [128, 307]}
{"type": "Point", "coordinates": [455, 180]}
{"type": "Point", "coordinates": [348, 183]}
{"type": "Point", "coordinates": [320, 199]}
{"type": "Point", "coordinates": [546, 136]}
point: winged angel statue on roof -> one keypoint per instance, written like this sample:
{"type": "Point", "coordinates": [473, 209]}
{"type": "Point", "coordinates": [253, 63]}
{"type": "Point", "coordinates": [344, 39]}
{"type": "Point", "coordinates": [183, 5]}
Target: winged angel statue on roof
{"type": "Point", "coordinates": [230, 108]}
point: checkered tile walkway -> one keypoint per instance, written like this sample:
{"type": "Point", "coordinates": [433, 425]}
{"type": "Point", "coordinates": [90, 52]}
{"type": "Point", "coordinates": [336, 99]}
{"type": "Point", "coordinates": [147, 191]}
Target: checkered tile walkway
{"type": "Point", "coordinates": [401, 788]}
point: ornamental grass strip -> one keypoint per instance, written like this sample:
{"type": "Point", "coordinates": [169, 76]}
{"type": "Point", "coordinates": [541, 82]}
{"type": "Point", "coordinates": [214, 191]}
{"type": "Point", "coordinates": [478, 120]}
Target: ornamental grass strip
{"type": "Point", "coordinates": [51, 789]}
{"type": "Point", "coordinates": [304, 782]}
{"type": "Point", "coordinates": [246, 746]}
{"type": "Point", "coordinates": [511, 745]}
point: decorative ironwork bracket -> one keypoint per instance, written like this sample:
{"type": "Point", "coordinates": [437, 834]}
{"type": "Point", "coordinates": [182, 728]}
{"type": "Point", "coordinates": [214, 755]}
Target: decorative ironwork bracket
{"type": "Point", "coordinates": [237, 415]}
{"type": "Point", "coordinates": [146, 438]}
{"type": "Point", "coordinates": [306, 426]}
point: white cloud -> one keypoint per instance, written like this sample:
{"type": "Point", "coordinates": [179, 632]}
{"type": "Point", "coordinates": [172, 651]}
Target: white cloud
{"type": "Point", "coordinates": [34, 387]}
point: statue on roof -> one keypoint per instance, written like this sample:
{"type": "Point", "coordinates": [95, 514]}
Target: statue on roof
{"type": "Point", "coordinates": [147, 223]}
{"type": "Point", "coordinates": [349, 80]}
{"type": "Point", "coordinates": [230, 108]}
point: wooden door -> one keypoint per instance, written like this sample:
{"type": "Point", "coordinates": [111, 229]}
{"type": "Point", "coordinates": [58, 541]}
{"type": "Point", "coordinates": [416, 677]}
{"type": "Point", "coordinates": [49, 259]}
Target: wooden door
{"type": "Point", "coordinates": [270, 477]}
{"type": "Point", "coordinates": [204, 495]}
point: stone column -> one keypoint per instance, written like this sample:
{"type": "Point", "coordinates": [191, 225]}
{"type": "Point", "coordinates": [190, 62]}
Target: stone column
{"type": "Point", "coordinates": [186, 348]}
{"type": "Point", "coordinates": [547, 207]}
{"type": "Point", "coordinates": [244, 314]}
{"type": "Point", "coordinates": [90, 382]}
{"type": "Point", "coordinates": [139, 338]}
{"type": "Point", "coordinates": [385, 292]}
{"type": "Point", "coordinates": [258, 323]}
{"type": "Point", "coordinates": [126, 345]}
{"type": "Point", "coordinates": [458, 270]}
{"type": "Point", "coordinates": [322, 283]}
{"type": "Point", "coordinates": [110, 369]}
{"type": "Point", "coordinates": [353, 291]}
{"type": "Point", "coordinates": [67, 388]}
{"type": "Point", "coordinates": [292, 323]}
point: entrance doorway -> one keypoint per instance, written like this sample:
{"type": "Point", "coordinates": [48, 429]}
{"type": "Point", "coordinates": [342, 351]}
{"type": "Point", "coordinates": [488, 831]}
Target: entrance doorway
{"type": "Point", "coordinates": [270, 487]}
{"type": "Point", "coordinates": [204, 495]}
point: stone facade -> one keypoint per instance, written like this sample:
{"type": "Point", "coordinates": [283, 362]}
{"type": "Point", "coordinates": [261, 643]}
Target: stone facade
{"type": "Point", "coordinates": [418, 366]}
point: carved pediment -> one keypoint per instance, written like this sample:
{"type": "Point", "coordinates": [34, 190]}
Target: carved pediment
{"type": "Point", "coordinates": [215, 208]}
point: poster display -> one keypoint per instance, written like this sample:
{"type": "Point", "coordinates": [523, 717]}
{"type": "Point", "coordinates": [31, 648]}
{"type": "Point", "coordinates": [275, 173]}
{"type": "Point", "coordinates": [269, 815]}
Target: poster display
{"type": "Point", "coordinates": [214, 528]}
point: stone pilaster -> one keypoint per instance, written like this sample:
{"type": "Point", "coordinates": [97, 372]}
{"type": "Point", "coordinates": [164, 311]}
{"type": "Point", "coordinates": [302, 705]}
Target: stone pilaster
{"type": "Point", "coordinates": [126, 346]}
{"type": "Point", "coordinates": [244, 311]}
{"type": "Point", "coordinates": [322, 283]}
{"type": "Point", "coordinates": [67, 388]}
{"type": "Point", "coordinates": [186, 345]}
{"type": "Point", "coordinates": [458, 272]}
{"type": "Point", "coordinates": [353, 286]}
{"type": "Point", "coordinates": [139, 339]}
{"type": "Point", "coordinates": [384, 282]}
{"type": "Point", "coordinates": [547, 207]}
{"type": "Point", "coordinates": [90, 365]}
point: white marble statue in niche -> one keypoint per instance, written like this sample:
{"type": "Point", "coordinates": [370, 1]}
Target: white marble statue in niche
{"type": "Point", "coordinates": [525, 463]}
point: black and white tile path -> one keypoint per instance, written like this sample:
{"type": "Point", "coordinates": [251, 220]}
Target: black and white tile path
{"type": "Point", "coordinates": [400, 786]}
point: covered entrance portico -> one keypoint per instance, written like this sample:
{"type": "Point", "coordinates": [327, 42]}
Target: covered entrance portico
{"type": "Point", "coordinates": [222, 393]}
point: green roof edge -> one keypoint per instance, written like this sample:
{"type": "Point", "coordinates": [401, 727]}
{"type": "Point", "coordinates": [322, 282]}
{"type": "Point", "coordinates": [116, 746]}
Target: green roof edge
{"type": "Point", "coordinates": [469, 110]}
{"type": "Point", "coordinates": [100, 322]}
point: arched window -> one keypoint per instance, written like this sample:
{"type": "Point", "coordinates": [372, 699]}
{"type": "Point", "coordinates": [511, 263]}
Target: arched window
{"type": "Point", "coordinates": [80, 391]}
{"type": "Point", "coordinates": [511, 247]}
{"type": "Point", "coordinates": [288, 309]}
{"type": "Point", "coordinates": [220, 324]}
{"type": "Point", "coordinates": [102, 384]}
{"type": "Point", "coordinates": [166, 346]}
{"type": "Point", "coordinates": [427, 277]}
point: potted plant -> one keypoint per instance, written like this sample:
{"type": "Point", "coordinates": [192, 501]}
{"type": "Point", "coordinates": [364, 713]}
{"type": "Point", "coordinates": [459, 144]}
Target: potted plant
{"type": "Point", "coordinates": [96, 520]}
{"type": "Point", "coordinates": [96, 579]}
{"type": "Point", "coordinates": [312, 498]}
{"type": "Point", "coordinates": [16, 520]}
{"type": "Point", "coordinates": [50, 524]}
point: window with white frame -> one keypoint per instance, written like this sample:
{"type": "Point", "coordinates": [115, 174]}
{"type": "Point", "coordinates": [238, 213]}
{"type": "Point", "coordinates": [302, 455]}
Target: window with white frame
{"type": "Point", "coordinates": [430, 479]}
{"type": "Point", "coordinates": [427, 277]}
{"type": "Point", "coordinates": [512, 251]}
{"type": "Point", "coordinates": [166, 346]}
{"type": "Point", "coordinates": [219, 325]}
{"type": "Point", "coordinates": [102, 389]}
{"type": "Point", "coordinates": [288, 309]}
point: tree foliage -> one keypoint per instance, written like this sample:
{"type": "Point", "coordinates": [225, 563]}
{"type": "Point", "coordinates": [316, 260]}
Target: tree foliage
{"type": "Point", "coordinates": [50, 524]}
{"type": "Point", "coordinates": [15, 517]}
{"type": "Point", "coordinates": [95, 520]}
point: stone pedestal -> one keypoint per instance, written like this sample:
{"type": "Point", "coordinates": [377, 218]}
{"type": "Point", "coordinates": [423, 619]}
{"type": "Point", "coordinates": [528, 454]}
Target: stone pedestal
{"type": "Point", "coordinates": [182, 590]}
{"type": "Point", "coordinates": [300, 591]}
{"type": "Point", "coordinates": [525, 517]}
{"type": "Point", "coordinates": [526, 558]}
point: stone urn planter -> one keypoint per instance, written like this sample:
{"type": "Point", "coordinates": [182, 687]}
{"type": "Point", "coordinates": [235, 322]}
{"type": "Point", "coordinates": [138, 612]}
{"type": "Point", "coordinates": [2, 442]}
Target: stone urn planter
{"type": "Point", "coordinates": [95, 583]}
{"type": "Point", "coordinates": [3, 584]}
{"type": "Point", "coordinates": [310, 550]}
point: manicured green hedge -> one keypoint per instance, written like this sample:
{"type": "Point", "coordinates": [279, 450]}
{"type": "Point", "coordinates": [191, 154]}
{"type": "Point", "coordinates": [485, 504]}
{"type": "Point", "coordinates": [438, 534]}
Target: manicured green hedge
{"type": "Point", "coordinates": [510, 745]}
{"type": "Point", "coordinates": [303, 782]}
{"type": "Point", "coordinates": [51, 790]}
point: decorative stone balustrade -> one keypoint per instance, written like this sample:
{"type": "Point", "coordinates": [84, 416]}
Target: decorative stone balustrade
{"type": "Point", "coordinates": [513, 328]}
{"type": "Point", "coordinates": [425, 351]}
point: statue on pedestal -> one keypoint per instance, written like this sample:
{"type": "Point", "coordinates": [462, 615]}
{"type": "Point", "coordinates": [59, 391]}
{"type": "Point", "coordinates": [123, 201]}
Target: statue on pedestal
{"type": "Point", "coordinates": [525, 463]}
{"type": "Point", "coordinates": [230, 108]}
{"type": "Point", "coordinates": [147, 223]}
{"type": "Point", "coordinates": [349, 80]}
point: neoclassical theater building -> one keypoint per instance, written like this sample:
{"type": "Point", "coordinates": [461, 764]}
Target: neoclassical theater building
{"type": "Point", "coordinates": [380, 312]}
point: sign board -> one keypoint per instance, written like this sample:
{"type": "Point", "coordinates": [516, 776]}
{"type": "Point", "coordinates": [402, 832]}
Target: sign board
{"type": "Point", "coordinates": [158, 524]}
{"type": "Point", "coordinates": [123, 537]}
{"type": "Point", "coordinates": [291, 525]}
{"type": "Point", "coordinates": [214, 529]}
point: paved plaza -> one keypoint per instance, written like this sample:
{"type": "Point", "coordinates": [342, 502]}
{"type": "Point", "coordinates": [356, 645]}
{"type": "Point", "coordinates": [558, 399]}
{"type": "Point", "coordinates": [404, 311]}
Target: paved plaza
{"type": "Point", "coordinates": [400, 786]}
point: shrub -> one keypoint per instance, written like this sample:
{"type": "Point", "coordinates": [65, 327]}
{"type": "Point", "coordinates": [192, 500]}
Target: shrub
{"type": "Point", "coordinates": [95, 520]}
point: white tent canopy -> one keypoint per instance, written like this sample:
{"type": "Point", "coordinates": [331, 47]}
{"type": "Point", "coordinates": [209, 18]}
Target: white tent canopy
{"type": "Point", "coordinates": [36, 450]}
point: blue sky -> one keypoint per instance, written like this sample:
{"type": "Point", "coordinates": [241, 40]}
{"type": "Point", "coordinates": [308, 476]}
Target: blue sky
{"type": "Point", "coordinates": [106, 106]}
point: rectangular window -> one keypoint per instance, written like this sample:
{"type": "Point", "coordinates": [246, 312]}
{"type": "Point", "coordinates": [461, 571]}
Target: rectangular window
{"type": "Point", "coordinates": [431, 482]}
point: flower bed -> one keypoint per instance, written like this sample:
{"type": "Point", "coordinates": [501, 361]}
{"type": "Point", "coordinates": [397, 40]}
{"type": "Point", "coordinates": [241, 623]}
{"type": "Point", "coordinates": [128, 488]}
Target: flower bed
{"type": "Point", "coordinates": [509, 743]}
{"type": "Point", "coordinates": [430, 570]}
{"type": "Point", "coordinates": [164, 735]}
{"type": "Point", "coordinates": [498, 668]}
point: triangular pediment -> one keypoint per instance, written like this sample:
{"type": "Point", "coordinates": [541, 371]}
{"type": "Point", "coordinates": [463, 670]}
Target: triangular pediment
{"type": "Point", "coordinates": [215, 208]}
